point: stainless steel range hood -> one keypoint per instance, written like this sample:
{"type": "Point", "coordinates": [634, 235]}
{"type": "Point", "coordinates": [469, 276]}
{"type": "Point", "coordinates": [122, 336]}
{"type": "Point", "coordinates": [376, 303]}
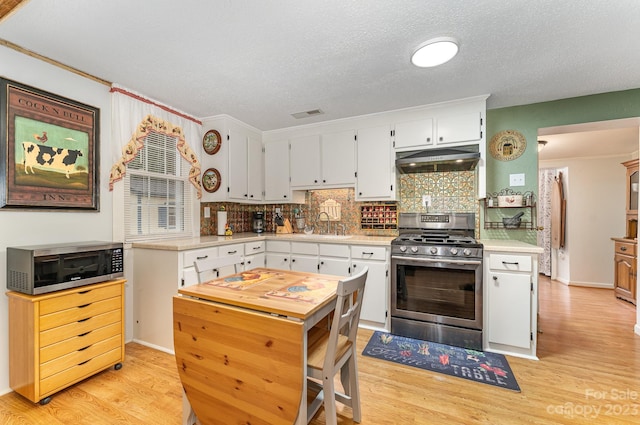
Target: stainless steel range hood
{"type": "Point", "coordinates": [458, 158]}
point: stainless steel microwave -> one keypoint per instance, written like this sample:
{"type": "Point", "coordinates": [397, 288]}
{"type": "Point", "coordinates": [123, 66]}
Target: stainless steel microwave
{"type": "Point", "coordinates": [40, 269]}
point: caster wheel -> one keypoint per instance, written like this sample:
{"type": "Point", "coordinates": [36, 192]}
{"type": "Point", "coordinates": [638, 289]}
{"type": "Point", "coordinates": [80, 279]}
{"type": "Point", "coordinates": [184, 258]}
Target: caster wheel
{"type": "Point", "coordinates": [45, 400]}
{"type": "Point", "coordinates": [117, 366]}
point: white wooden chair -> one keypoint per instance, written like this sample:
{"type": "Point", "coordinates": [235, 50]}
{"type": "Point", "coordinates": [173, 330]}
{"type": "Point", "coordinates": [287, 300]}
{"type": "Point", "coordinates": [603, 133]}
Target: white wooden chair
{"type": "Point", "coordinates": [332, 351]}
{"type": "Point", "coordinates": [208, 268]}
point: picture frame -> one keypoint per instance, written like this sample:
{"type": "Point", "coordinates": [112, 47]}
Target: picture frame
{"type": "Point", "coordinates": [51, 150]}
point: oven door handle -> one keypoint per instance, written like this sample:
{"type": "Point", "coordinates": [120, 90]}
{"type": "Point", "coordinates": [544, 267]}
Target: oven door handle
{"type": "Point", "coordinates": [438, 260]}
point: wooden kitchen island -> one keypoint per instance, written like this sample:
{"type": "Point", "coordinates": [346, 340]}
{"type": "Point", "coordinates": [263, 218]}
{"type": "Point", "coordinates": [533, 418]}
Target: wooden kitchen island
{"type": "Point", "coordinates": [240, 344]}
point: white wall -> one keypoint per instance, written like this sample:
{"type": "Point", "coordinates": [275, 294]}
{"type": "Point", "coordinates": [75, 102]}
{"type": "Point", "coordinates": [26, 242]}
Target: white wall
{"type": "Point", "coordinates": [595, 193]}
{"type": "Point", "coordinates": [29, 227]}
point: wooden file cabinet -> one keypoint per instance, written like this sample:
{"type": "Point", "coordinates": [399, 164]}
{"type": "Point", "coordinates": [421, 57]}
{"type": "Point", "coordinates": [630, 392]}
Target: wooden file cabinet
{"type": "Point", "coordinates": [63, 337]}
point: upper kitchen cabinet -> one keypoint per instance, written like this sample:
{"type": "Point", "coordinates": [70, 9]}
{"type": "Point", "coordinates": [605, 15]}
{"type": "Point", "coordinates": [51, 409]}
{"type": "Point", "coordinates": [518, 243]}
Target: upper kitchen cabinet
{"type": "Point", "coordinates": [448, 129]}
{"type": "Point", "coordinates": [323, 161]}
{"type": "Point", "coordinates": [276, 173]}
{"type": "Point", "coordinates": [375, 176]}
{"type": "Point", "coordinates": [245, 164]}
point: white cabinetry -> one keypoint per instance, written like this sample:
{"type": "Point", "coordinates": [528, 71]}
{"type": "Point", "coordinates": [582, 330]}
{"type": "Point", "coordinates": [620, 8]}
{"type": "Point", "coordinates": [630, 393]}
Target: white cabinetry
{"type": "Point", "coordinates": [375, 177]}
{"type": "Point", "coordinates": [245, 164]}
{"type": "Point", "coordinates": [278, 254]}
{"type": "Point", "coordinates": [326, 160]}
{"type": "Point", "coordinates": [276, 174]}
{"type": "Point", "coordinates": [254, 255]}
{"type": "Point", "coordinates": [413, 134]}
{"type": "Point", "coordinates": [375, 305]}
{"type": "Point", "coordinates": [334, 259]}
{"type": "Point", "coordinates": [450, 128]}
{"type": "Point", "coordinates": [459, 128]}
{"type": "Point", "coordinates": [304, 257]}
{"type": "Point", "coordinates": [511, 303]}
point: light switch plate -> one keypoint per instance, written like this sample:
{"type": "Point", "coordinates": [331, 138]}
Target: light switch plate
{"type": "Point", "coordinates": [516, 179]}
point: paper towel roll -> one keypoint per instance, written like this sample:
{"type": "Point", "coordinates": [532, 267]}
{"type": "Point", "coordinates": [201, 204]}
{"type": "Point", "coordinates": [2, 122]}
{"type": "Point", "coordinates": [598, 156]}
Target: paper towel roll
{"type": "Point", "coordinates": [222, 222]}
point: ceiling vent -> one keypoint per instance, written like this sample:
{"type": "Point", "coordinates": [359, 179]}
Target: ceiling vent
{"type": "Point", "coordinates": [307, 114]}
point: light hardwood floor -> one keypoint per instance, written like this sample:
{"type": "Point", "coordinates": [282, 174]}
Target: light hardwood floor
{"type": "Point", "coordinates": [589, 372]}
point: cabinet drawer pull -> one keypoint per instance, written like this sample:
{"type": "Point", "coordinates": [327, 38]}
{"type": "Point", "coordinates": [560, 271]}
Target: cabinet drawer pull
{"type": "Point", "coordinates": [86, 361]}
{"type": "Point", "coordinates": [86, 333]}
{"type": "Point", "coordinates": [84, 305]}
{"type": "Point", "coordinates": [232, 252]}
{"type": "Point", "coordinates": [623, 248]}
{"type": "Point", "coordinates": [202, 258]}
{"type": "Point", "coordinates": [256, 247]}
{"type": "Point", "coordinates": [84, 320]}
{"type": "Point", "coordinates": [515, 263]}
{"type": "Point", "coordinates": [367, 253]}
{"type": "Point", "coordinates": [84, 292]}
{"type": "Point", "coordinates": [84, 348]}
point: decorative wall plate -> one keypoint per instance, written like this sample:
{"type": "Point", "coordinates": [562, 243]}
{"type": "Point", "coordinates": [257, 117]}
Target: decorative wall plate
{"type": "Point", "coordinates": [211, 142]}
{"type": "Point", "coordinates": [507, 145]}
{"type": "Point", "coordinates": [211, 180]}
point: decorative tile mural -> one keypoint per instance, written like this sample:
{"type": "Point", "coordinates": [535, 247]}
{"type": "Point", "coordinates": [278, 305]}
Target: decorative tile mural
{"type": "Point", "coordinates": [449, 191]}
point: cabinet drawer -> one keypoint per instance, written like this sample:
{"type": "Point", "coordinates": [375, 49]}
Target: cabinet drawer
{"type": "Point", "coordinates": [78, 372]}
{"type": "Point", "coordinates": [254, 247]}
{"type": "Point", "coordinates": [368, 252]}
{"type": "Point", "coordinates": [80, 356]}
{"type": "Point", "coordinates": [278, 246]}
{"type": "Point", "coordinates": [304, 248]}
{"type": "Point", "coordinates": [510, 262]}
{"type": "Point", "coordinates": [75, 328]}
{"type": "Point", "coordinates": [334, 250]}
{"type": "Point", "coordinates": [80, 341]}
{"type": "Point", "coordinates": [79, 298]}
{"type": "Point", "coordinates": [230, 250]}
{"type": "Point", "coordinates": [626, 248]}
{"type": "Point", "coordinates": [76, 314]}
{"type": "Point", "coordinates": [190, 256]}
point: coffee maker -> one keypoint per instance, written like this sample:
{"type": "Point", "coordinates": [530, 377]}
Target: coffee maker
{"type": "Point", "coordinates": [258, 222]}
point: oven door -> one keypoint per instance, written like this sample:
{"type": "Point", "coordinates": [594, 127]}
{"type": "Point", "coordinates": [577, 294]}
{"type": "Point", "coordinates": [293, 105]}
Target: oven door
{"type": "Point", "coordinates": [437, 290]}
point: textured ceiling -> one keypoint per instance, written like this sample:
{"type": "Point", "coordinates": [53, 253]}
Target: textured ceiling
{"type": "Point", "coordinates": [260, 61]}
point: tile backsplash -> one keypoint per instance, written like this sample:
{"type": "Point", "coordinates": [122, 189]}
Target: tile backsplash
{"type": "Point", "coordinates": [449, 191]}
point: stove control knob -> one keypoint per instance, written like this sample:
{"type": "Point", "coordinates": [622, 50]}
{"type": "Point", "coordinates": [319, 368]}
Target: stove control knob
{"type": "Point", "coordinates": [454, 251]}
{"type": "Point", "coordinates": [433, 250]}
{"type": "Point", "coordinates": [414, 249]}
{"type": "Point", "coordinates": [467, 252]}
{"type": "Point", "coordinates": [403, 248]}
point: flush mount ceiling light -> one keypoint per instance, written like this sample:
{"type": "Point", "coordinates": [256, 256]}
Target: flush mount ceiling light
{"type": "Point", "coordinates": [435, 52]}
{"type": "Point", "coordinates": [541, 144]}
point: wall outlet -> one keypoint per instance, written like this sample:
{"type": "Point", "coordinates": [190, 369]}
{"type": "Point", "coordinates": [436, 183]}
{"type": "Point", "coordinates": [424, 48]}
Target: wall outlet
{"type": "Point", "coordinates": [426, 200]}
{"type": "Point", "coordinates": [516, 179]}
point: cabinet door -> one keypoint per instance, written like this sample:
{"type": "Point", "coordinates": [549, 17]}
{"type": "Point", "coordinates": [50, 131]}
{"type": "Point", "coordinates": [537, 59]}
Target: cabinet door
{"type": "Point", "coordinates": [339, 158]}
{"type": "Point", "coordinates": [304, 161]}
{"type": "Point", "coordinates": [460, 128]}
{"type": "Point", "coordinates": [374, 304]}
{"type": "Point", "coordinates": [255, 165]}
{"type": "Point", "coordinates": [277, 260]}
{"type": "Point", "coordinates": [376, 170]}
{"type": "Point", "coordinates": [238, 177]}
{"type": "Point", "coordinates": [624, 277]}
{"type": "Point", "coordinates": [253, 261]}
{"type": "Point", "coordinates": [304, 263]}
{"type": "Point", "coordinates": [334, 266]}
{"type": "Point", "coordinates": [276, 171]}
{"type": "Point", "coordinates": [509, 309]}
{"type": "Point", "coordinates": [413, 134]}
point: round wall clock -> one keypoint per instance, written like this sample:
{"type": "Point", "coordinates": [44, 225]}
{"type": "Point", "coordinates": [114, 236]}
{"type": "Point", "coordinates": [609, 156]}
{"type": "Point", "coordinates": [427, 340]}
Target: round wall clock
{"type": "Point", "coordinates": [211, 180]}
{"type": "Point", "coordinates": [211, 142]}
{"type": "Point", "coordinates": [507, 145]}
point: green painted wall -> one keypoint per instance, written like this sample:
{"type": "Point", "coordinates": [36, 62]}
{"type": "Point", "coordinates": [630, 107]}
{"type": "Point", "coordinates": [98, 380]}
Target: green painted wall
{"type": "Point", "coordinates": [527, 119]}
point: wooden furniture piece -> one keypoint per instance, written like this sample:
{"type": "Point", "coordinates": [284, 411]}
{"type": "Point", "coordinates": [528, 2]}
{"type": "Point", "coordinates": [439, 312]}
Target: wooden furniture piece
{"type": "Point", "coordinates": [208, 268]}
{"type": "Point", "coordinates": [625, 272]}
{"type": "Point", "coordinates": [334, 350]}
{"type": "Point", "coordinates": [240, 344]}
{"type": "Point", "coordinates": [63, 337]}
{"type": "Point", "coordinates": [632, 198]}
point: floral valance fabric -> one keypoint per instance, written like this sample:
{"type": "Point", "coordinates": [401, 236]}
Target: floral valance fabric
{"type": "Point", "coordinates": [130, 150]}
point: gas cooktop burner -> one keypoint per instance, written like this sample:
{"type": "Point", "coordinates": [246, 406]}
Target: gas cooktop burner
{"type": "Point", "coordinates": [435, 239]}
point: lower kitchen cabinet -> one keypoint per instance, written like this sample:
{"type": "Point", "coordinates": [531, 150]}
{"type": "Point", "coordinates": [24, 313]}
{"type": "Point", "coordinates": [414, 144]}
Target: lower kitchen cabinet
{"type": "Point", "coordinates": [375, 305]}
{"type": "Point", "coordinates": [63, 337]}
{"type": "Point", "coordinates": [510, 303]}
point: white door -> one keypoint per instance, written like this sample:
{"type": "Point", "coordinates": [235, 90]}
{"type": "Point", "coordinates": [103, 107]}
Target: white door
{"type": "Point", "coordinates": [277, 261]}
{"type": "Point", "coordinates": [509, 309]}
{"type": "Point", "coordinates": [459, 128]}
{"type": "Point", "coordinates": [375, 167]}
{"type": "Point", "coordinates": [304, 161]}
{"type": "Point", "coordinates": [413, 134]}
{"type": "Point", "coordinates": [334, 266]}
{"type": "Point", "coordinates": [276, 171]}
{"type": "Point", "coordinates": [238, 180]}
{"type": "Point", "coordinates": [304, 263]}
{"type": "Point", "coordinates": [374, 304]}
{"type": "Point", "coordinates": [255, 166]}
{"type": "Point", "coordinates": [339, 158]}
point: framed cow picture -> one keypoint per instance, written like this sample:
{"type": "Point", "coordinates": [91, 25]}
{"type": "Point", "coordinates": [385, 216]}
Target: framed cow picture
{"type": "Point", "coordinates": [52, 150]}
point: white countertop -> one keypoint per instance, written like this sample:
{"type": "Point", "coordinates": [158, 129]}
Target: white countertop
{"type": "Point", "coordinates": [208, 241]}
{"type": "Point", "coordinates": [498, 245]}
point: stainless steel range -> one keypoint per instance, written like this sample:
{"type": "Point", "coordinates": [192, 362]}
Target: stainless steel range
{"type": "Point", "coordinates": [436, 281]}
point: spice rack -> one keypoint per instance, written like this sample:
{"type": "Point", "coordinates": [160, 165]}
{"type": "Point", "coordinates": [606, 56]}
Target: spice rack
{"type": "Point", "coordinates": [379, 216]}
{"type": "Point", "coordinates": [493, 213]}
